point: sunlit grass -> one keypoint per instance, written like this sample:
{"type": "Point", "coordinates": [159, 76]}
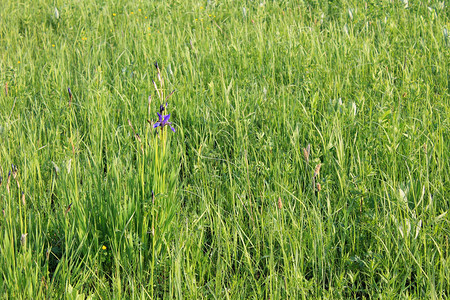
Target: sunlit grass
{"type": "Point", "coordinates": [234, 203]}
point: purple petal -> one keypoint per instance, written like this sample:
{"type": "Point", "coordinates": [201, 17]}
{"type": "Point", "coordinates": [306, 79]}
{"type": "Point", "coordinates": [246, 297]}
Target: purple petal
{"type": "Point", "coordinates": [157, 124]}
{"type": "Point", "coordinates": [173, 129]}
{"type": "Point", "coordinates": [160, 117]}
{"type": "Point", "coordinates": [166, 119]}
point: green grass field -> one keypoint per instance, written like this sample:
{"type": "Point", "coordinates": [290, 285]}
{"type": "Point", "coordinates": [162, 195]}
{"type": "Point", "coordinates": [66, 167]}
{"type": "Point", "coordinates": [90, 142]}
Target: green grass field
{"type": "Point", "coordinates": [96, 203]}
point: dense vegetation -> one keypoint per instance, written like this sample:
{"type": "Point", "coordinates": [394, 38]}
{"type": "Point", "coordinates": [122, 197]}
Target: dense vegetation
{"type": "Point", "coordinates": [310, 157]}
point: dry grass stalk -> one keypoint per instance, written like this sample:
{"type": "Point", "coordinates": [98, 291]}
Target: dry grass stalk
{"type": "Point", "coordinates": [134, 132]}
{"type": "Point", "coordinates": [68, 209]}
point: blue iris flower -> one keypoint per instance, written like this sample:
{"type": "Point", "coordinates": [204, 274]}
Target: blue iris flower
{"type": "Point", "coordinates": [163, 121]}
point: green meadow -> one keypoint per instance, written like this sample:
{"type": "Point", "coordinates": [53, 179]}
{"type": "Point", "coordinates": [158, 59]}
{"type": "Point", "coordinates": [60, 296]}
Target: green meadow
{"type": "Point", "coordinates": [309, 156]}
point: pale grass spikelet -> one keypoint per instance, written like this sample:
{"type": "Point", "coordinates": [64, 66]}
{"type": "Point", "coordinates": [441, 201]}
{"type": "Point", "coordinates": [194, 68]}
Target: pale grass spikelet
{"type": "Point", "coordinates": [69, 166]}
{"type": "Point", "coordinates": [23, 238]}
{"type": "Point", "coordinates": [306, 152]}
{"type": "Point", "coordinates": [157, 90]}
{"type": "Point", "coordinates": [55, 167]}
{"type": "Point", "coordinates": [280, 203]}
{"type": "Point", "coordinates": [159, 76]}
{"type": "Point", "coordinates": [317, 170]}
{"type": "Point", "coordinates": [23, 199]}
{"type": "Point", "coordinates": [154, 84]}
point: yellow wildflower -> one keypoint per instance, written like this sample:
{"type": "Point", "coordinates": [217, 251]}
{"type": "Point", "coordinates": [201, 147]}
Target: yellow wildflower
{"type": "Point", "coordinates": [104, 247]}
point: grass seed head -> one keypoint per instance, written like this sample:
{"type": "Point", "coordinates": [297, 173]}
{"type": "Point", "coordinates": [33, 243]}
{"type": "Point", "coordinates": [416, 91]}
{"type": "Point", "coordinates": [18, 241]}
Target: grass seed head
{"type": "Point", "coordinates": [280, 203]}
{"type": "Point", "coordinates": [306, 152]}
{"type": "Point", "coordinates": [23, 238]}
{"type": "Point", "coordinates": [157, 90]}
{"type": "Point", "coordinates": [23, 199]}
{"type": "Point", "coordinates": [317, 170]}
